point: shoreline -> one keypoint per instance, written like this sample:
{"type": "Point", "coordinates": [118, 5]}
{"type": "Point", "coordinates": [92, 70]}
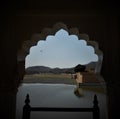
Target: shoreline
{"type": "Point", "coordinates": [85, 86]}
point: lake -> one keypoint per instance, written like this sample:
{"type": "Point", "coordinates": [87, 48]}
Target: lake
{"type": "Point", "coordinates": [58, 95]}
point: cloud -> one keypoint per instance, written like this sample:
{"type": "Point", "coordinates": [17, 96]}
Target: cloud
{"type": "Point", "coordinates": [61, 50]}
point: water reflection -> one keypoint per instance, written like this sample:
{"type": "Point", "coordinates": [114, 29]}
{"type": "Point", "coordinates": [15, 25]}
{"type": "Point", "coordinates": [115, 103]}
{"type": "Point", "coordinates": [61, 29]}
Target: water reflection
{"type": "Point", "coordinates": [58, 95]}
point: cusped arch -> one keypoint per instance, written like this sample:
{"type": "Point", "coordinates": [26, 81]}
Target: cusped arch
{"type": "Point", "coordinates": [27, 44]}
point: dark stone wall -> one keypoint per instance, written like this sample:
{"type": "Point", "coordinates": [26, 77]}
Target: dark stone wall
{"type": "Point", "coordinates": [18, 24]}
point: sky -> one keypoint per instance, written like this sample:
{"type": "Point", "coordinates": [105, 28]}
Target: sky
{"type": "Point", "coordinates": [61, 50]}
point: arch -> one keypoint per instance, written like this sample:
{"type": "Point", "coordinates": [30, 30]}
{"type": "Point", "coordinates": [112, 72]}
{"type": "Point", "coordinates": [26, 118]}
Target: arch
{"type": "Point", "coordinates": [27, 44]}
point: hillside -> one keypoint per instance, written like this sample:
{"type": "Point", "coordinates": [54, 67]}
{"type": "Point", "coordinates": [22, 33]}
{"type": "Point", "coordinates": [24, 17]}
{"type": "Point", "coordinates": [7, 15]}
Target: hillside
{"type": "Point", "coordinates": [44, 69]}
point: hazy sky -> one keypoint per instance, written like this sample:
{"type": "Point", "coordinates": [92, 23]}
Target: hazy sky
{"type": "Point", "coordinates": [61, 50]}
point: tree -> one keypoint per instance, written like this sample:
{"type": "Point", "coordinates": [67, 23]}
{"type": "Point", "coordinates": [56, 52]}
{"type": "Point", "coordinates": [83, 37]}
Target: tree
{"type": "Point", "coordinates": [80, 68]}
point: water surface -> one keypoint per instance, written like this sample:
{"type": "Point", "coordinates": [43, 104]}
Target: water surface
{"type": "Point", "coordinates": [58, 95]}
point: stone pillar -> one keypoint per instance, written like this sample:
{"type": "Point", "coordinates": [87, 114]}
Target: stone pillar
{"type": "Point", "coordinates": [21, 69]}
{"type": "Point", "coordinates": [9, 83]}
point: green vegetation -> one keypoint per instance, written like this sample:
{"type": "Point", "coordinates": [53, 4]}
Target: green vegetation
{"type": "Point", "coordinates": [49, 78]}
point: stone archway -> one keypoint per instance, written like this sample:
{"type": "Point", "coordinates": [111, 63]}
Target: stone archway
{"type": "Point", "coordinates": [24, 51]}
{"type": "Point", "coordinates": [51, 31]}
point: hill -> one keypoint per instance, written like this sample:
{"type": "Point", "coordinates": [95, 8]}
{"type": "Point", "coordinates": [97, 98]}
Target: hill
{"type": "Point", "coordinates": [44, 69]}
